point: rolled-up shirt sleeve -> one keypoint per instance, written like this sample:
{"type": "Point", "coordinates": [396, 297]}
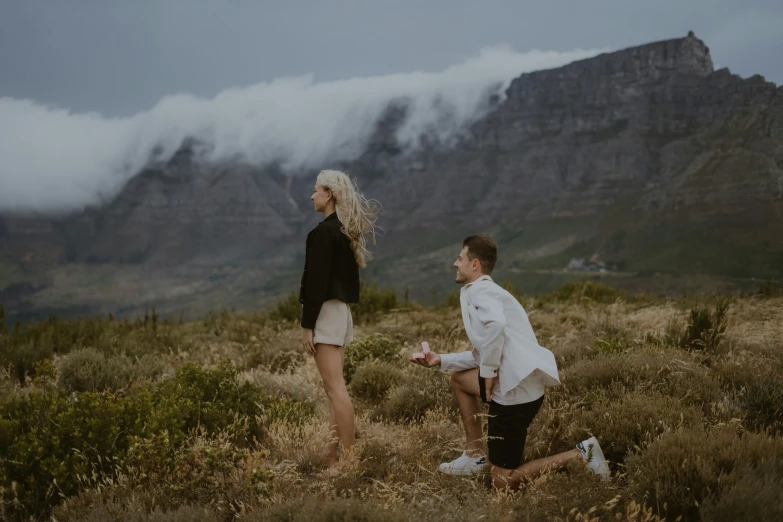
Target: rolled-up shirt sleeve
{"type": "Point", "coordinates": [490, 313]}
{"type": "Point", "coordinates": [457, 361]}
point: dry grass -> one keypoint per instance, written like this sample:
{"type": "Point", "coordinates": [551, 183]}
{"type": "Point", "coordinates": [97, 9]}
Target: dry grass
{"type": "Point", "coordinates": [689, 434]}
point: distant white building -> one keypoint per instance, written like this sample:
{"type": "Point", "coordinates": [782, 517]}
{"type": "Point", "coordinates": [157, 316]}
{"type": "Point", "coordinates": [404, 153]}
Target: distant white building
{"type": "Point", "coordinates": [579, 264]}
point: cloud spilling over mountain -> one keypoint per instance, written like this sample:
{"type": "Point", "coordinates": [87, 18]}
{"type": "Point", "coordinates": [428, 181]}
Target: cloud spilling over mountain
{"type": "Point", "coordinates": [52, 160]}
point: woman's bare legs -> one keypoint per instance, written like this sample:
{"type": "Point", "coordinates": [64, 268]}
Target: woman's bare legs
{"type": "Point", "coordinates": [329, 360]}
{"type": "Point", "coordinates": [334, 440]}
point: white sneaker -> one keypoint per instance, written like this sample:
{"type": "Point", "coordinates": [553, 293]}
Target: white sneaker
{"type": "Point", "coordinates": [463, 465]}
{"type": "Point", "coordinates": [591, 452]}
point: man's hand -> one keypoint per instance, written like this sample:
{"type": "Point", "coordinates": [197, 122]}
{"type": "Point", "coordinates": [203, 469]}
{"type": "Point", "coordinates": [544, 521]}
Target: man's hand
{"type": "Point", "coordinates": [307, 340]}
{"type": "Point", "coordinates": [489, 383]}
{"type": "Point", "coordinates": [426, 358]}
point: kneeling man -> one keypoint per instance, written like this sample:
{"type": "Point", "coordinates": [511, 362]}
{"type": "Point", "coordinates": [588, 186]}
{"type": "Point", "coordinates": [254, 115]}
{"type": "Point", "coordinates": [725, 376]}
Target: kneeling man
{"type": "Point", "coordinates": [507, 369]}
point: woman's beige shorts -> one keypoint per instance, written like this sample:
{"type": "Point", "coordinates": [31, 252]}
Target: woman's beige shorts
{"type": "Point", "coordinates": [334, 324]}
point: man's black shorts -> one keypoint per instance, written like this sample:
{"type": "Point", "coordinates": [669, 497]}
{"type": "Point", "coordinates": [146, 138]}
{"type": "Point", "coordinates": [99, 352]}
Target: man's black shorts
{"type": "Point", "coordinates": [507, 429]}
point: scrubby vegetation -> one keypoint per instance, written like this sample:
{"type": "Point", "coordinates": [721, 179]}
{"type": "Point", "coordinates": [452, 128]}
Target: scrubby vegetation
{"type": "Point", "coordinates": [225, 418]}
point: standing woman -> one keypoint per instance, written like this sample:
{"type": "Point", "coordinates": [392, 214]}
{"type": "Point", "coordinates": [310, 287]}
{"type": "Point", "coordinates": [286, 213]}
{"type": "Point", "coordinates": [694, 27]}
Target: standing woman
{"type": "Point", "coordinates": [335, 251]}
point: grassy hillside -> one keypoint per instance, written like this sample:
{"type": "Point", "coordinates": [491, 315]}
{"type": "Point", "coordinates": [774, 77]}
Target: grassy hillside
{"type": "Point", "coordinates": [671, 253]}
{"type": "Point", "coordinates": [224, 418]}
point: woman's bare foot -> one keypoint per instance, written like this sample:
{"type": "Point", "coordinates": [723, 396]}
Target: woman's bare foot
{"type": "Point", "coordinates": [347, 461]}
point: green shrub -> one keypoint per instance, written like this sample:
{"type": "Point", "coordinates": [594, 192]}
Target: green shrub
{"type": "Point", "coordinates": [763, 404]}
{"type": "Point", "coordinates": [674, 334]}
{"type": "Point", "coordinates": [754, 495]}
{"type": "Point", "coordinates": [373, 301]}
{"type": "Point", "coordinates": [89, 370]}
{"type": "Point", "coordinates": [276, 361]}
{"type": "Point", "coordinates": [157, 479]}
{"type": "Point", "coordinates": [7, 385]}
{"type": "Point", "coordinates": [54, 436]}
{"type": "Point", "coordinates": [217, 400]}
{"type": "Point", "coordinates": [373, 347]}
{"type": "Point", "coordinates": [25, 346]}
{"type": "Point", "coordinates": [424, 390]}
{"type": "Point", "coordinates": [373, 380]}
{"type": "Point", "coordinates": [745, 369]}
{"type": "Point", "coordinates": [451, 300]}
{"type": "Point", "coordinates": [86, 370]}
{"type": "Point", "coordinates": [634, 421]}
{"type": "Point", "coordinates": [769, 289]}
{"type": "Point", "coordinates": [288, 310]}
{"type": "Point", "coordinates": [611, 339]}
{"type": "Point", "coordinates": [23, 356]}
{"type": "Point", "coordinates": [705, 328]}
{"type": "Point", "coordinates": [691, 384]}
{"type": "Point", "coordinates": [619, 372]}
{"type": "Point", "coordinates": [379, 460]}
{"type": "Point", "coordinates": [205, 470]}
{"type": "Point", "coordinates": [584, 291]}
{"type": "Point", "coordinates": [576, 491]}
{"type": "Point", "coordinates": [647, 369]}
{"type": "Point", "coordinates": [686, 467]}
{"type": "Point", "coordinates": [313, 509]}
{"type": "Point", "coordinates": [48, 437]}
{"type": "Point", "coordinates": [116, 511]}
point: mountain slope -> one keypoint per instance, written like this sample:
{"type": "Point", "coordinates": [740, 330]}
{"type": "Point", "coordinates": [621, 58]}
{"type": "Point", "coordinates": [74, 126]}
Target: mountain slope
{"type": "Point", "coordinates": [645, 160]}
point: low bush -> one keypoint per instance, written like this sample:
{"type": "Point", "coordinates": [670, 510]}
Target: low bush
{"type": "Point", "coordinates": [753, 495]}
{"type": "Point", "coordinates": [373, 301]}
{"type": "Point", "coordinates": [313, 509]}
{"type": "Point", "coordinates": [611, 339]}
{"type": "Point", "coordinates": [373, 347]}
{"type": "Point", "coordinates": [423, 391]}
{"type": "Point", "coordinates": [287, 310]}
{"type": "Point", "coordinates": [763, 405]}
{"type": "Point", "coordinates": [89, 370]}
{"type": "Point", "coordinates": [275, 361]}
{"type": "Point", "coordinates": [156, 476]}
{"type": "Point", "coordinates": [684, 468]}
{"type": "Point", "coordinates": [606, 371]}
{"type": "Point", "coordinates": [704, 329]}
{"type": "Point", "coordinates": [579, 497]}
{"type": "Point", "coordinates": [94, 508]}
{"type": "Point", "coordinates": [25, 346]}
{"type": "Point", "coordinates": [583, 291]}
{"type": "Point", "coordinates": [49, 439]}
{"type": "Point", "coordinates": [372, 381]}
{"type": "Point", "coordinates": [635, 421]}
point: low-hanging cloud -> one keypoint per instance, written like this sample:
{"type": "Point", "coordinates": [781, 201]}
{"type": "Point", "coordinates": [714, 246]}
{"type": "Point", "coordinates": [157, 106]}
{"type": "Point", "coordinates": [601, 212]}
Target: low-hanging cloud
{"type": "Point", "coordinates": [52, 160]}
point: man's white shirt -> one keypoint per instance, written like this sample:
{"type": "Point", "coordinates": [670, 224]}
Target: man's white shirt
{"type": "Point", "coordinates": [504, 345]}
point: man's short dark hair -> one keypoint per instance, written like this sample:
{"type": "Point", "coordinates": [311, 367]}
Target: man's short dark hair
{"type": "Point", "coordinates": [484, 249]}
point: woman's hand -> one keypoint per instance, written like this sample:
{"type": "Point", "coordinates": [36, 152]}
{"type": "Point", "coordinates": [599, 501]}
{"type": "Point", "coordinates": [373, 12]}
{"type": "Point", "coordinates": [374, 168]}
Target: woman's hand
{"type": "Point", "coordinates": [307, 340]}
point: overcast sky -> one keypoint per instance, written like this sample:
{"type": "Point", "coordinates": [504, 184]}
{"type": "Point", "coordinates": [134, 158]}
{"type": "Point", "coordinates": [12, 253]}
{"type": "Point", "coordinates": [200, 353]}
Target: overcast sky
{"type": "Point", "coordinates": [90, 88]}
{"type": "Point", "coordinates": [121, 57]}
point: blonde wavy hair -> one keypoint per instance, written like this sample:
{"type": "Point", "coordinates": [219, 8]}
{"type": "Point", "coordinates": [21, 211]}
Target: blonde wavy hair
{"type": "Point", "coordinates": [356, 213]}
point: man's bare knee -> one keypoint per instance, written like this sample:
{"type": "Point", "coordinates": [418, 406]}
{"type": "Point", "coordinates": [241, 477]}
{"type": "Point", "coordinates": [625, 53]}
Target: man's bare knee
{"type": "Point", "coordinates": [454, 381]}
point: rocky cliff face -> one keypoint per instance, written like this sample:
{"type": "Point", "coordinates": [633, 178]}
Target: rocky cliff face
{"type": "Point", "coordinates": [570, 141]}
{"type": "Point", "coordinates": [643, 155]}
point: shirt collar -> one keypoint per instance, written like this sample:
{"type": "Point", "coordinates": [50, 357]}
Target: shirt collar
{"type": "Point", "coordinates": [333, 215]}
{"type": "Point", "coordinates": [482, 278]}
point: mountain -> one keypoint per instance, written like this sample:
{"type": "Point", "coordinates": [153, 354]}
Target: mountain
{"type": "Point", "coordinates": [660, 172]}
